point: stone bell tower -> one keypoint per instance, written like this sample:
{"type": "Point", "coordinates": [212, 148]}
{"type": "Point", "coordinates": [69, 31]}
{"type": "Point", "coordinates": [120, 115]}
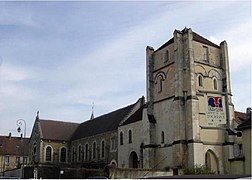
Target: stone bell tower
{"type": "Point", "coordinates": [189, 94]}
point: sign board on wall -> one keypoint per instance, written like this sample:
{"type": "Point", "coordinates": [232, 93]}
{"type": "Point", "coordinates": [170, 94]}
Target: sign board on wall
{"type": "Point", "coordinates": [215, 111]}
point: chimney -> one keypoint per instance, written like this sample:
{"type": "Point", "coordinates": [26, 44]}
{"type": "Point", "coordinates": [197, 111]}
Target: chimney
{"type": "Point", "coordinates": [9, 135]}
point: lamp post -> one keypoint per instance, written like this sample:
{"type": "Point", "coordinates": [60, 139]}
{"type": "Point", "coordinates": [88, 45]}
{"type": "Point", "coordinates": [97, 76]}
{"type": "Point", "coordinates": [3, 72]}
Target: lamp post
{"type": "Point", "coordinates": [21, 122]}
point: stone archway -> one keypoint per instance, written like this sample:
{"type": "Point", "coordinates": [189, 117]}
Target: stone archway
{"type": "Point", "coordinates": [211, 161]}
{"type": "Point", "coordinates": [133, 160]}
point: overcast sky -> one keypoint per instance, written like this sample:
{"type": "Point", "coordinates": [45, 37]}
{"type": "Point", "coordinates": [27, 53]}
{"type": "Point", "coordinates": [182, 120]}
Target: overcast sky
{"type": "Point", "coordinates": [60, 57]}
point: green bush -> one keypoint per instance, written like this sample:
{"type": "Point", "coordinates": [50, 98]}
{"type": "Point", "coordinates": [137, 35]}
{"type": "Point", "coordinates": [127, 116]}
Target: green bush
{"type": "Point", "coordinates": [198, 169]}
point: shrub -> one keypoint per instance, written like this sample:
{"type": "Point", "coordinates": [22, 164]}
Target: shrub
{"type": "Point", "coordinates": [198, 169]}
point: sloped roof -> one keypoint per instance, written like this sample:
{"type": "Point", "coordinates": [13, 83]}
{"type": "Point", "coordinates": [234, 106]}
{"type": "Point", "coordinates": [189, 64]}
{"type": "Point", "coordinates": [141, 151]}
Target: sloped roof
{"type": "Point", "coordinates": [14, 146]}
{"type": "Point", "coordinates": [244, 119]}
{"type": "Point", "coordinates": [57, 130]}
{"type": "Point", "coordinates": [101, 124]}
{"type": "Point", "coordinates": [196, 37]}
{"type": "Point", "coordinates": [245, 125]}
{"type": "Point", "coordinates": [137, 116]}
{"type": "Point", "coordinates": [166, 44]}
{"type": "Point", "coordinates": [240, 117]}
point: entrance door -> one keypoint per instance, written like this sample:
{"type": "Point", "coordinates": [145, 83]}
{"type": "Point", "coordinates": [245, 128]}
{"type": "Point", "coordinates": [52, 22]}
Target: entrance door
{"type": "Point", "coordinates": [212, 161]}
{"type": "Point", "coordinates": [133, 160]}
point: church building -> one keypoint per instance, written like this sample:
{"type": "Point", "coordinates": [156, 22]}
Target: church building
{"type": "Point", "coordinates": [186, 119]}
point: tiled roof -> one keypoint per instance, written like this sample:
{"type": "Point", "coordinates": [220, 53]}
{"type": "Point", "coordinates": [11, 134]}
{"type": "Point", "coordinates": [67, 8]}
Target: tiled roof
{"type": "Point", "coordinates": [14, 146]}
{"type": "Point", "coordinates": [239, 117]}
{"type": "Point", "coordinates": [57, 130]}
{"type": "Point", "coordinates": [166, 44]}
{"type": "Point", "coordinates": [196, 37]}
{"type": "Point", "coordinates": [137, 116]}
{"type": "Point", "coordinates": [101, 124]}
{"type": "Point", "coordinates": [245, 125]}
{"type": "Point", "coordinates": [244, 118]}
{"type": "Point", "coordinates": [203, 40]}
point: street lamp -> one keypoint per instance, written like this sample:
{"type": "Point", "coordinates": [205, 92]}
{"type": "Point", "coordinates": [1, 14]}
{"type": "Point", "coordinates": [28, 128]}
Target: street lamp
{"type": "Point", "coordinates": [21, 122]}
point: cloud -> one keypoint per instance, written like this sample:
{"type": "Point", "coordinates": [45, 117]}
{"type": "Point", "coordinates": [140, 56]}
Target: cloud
{"type": "Point", "coordinates": [14, 15]}
{"type": "Point", "coordinates": [72, 57]}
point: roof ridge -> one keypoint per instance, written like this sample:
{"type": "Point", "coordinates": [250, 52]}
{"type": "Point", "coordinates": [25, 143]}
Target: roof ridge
{"type": "Point", "coordinates": [207, 41]}
{"type": "Point", "coordinates": [108, 113]}
{"type": "Point", "coordinates": [60, 121]}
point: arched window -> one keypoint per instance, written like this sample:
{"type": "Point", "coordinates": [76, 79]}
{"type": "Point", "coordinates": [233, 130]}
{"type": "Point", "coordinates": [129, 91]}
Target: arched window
{"type": "Point", "coordinates": [162, 137]}
{"type": "Point", "coordinates": [200, 81]}
{"type": "Point", "coordinates": [94, 150]}
{"type": "Point", "coordinates": [121, 138]}
{"type": "Point", "coordinates": [215, 84]}
{"type": "Point", "coordinates": [160, 84]}
{"type": "Point", "coordinates": [63, 152]}
{"type": "Point", "coordinates": [48, 153]}
{"type": "Point", "coordinates": [86, 152]}
{"type": "Point", "coordinates": [102, 149]}
{"type": "Point", "coordinates": [73, 154]}
{"type": "Point", "coordinates": [79, 153]}
{"type": "Point", "coordinates": [130, 136]}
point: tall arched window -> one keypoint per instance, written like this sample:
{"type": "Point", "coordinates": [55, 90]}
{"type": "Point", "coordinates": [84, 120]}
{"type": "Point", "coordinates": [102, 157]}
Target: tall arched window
{"type": "Point", "coordinates": [121, 138]}
{"type": "Point", "coordinates": [162, 137]}
{"type": "Point", "coordinates": [102, 149]}
{"type": "Point", "coordinates": [130, 136]}
{"type": "Point", "coordinates": [63, 152]}
{"type": "Point", "coordinates": [73, 154]}
{"type": "Point", "coordinates": [86, 152]}
{"type": "Point", "coordinates": [215, 84]}
{"type": "Point", "coordinates": [48, 153]}
{"type": "Point", "coordinates": [94, 150]}
{"type": "Point", "coordinates": [79, 153]}
{"type": "Point", "coordinates": [160, 84]}
{"type": "Point", "coordinates": [200, 81]}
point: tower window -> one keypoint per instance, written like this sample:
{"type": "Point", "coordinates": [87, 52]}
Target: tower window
{"type": "Point", "coordinates": [166, 56]}
{"type": "Point", "coordinates": [162, 137]}
{"type": "Point", "coordinates": [200, 81]}
{"type": "Point", "coordinates": [215, 84]}
{"type": "Point", "coordinates": [160, 84]}
{"type": "Point", "coordinates": [205, 54]}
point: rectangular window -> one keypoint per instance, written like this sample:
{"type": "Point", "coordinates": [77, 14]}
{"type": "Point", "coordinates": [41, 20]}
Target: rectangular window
{"type": "Point", "coordinates": [25, 160]}
{"type": "Point", "coordinates": [7, 160]}
{"type": "Point", "coordinates": [17, 160]}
